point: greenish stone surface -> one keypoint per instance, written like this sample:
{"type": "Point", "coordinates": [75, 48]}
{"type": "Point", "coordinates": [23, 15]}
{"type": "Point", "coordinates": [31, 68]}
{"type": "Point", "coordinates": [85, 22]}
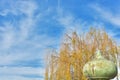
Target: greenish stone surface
{"type": "Point", "coordinates": [100, 68]}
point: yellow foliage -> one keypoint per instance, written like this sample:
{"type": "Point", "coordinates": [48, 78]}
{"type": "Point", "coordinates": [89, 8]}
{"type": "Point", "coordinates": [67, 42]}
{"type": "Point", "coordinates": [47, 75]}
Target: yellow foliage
{"type": "Point", "coordinates": [75, 51]}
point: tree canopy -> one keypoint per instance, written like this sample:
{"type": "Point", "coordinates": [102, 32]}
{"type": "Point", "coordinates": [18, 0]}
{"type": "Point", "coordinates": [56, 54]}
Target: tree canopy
{"type": "Point", "coordinates": [76, 50]}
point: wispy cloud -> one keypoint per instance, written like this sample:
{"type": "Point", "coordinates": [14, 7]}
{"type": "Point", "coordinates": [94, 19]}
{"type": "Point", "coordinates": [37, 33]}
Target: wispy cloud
{"type": "Point", "coordinates": [69, 22]}
{"type": "Point", "coordinates": [18, 78]}
{"type": "Point", "coordinates": [19, 7]}
{"type": "Point", "coordinates": [107, 15]}
{"type": "Point", "coordinates": [72, 23]}
{"type": "Point", "coordinates": [19, 43]}
{"type": "Point", "coordinates": [21, 73]}
{"type": "Point", "coordinates": [18, 30]}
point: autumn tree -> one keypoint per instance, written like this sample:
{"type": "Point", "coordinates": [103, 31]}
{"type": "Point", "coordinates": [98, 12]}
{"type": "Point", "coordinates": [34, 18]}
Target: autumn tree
{"type": "Point", "coordinates": [76, 50]}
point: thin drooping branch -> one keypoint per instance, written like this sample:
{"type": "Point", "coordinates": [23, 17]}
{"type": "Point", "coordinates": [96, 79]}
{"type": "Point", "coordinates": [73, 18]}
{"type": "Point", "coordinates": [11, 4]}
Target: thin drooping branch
{"type": "Point", "coordinates": [76, 50]}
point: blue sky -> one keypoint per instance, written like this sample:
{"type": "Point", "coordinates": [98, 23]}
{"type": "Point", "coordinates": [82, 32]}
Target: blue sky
{"type": "Point", "coordinates": [29, 28]}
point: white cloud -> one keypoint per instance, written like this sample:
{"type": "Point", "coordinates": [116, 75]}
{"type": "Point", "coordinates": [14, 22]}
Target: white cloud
{"type": "Point", "coordinates": [67, 20]}
{"type": "Point", "coordinates": [21, 73]}
{"type": "Point", "coordinates": [7, 35]}
{"type": "Point", "coordinates": [109, 16]}
{"type": "Point", "coordinates": [18, 78]}
{"type": "Point", "coordinates": [24, 26]}
{"type": "Point", "coordinates": [71, 23]}
{"type": "Point", "coordinates": [18, 42]}
{"type": "Point", "coordinates": [19, 7]}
